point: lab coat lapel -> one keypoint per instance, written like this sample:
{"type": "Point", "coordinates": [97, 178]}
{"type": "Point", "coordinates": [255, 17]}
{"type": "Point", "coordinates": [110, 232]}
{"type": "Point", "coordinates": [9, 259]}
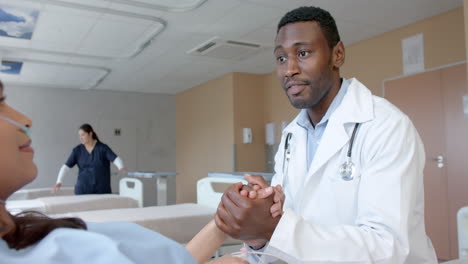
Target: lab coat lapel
{"type": "Point", "coordinates": [297, 166]}
{"type": "Point", "coordinates": [334, 138]}
{"type": "Point", "coordinates": [356, 107]}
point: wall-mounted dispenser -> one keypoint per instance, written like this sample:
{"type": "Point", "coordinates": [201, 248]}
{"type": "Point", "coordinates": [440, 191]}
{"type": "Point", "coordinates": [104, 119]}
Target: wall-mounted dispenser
{"type": "Point", "coordinates": [270, 134]}
{"type": "Point", "coordinates": [247, 135]}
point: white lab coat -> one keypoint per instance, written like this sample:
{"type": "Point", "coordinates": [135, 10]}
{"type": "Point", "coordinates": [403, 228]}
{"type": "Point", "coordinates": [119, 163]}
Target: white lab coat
{"type": "Point", "coordinates": [378, 217]}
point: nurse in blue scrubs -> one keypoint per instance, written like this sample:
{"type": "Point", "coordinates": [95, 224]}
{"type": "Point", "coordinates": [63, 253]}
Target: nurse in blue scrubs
{"type": "Point", "coordinates": [93, 159]}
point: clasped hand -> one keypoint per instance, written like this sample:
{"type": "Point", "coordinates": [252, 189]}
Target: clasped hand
{"type": "Point", "coordinates": [250, 212]}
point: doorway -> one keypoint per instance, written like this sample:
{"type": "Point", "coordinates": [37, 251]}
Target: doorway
{"type": "Point", "coordinates": [433, 101]}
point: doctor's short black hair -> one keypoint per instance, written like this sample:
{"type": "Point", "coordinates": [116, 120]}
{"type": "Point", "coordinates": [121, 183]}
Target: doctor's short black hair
{"type": "Point", "coordinates": [312, 13]}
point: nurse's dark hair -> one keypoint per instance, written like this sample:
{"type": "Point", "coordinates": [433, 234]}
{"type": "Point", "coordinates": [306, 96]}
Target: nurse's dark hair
{"type": "Point", "coordinates": [312, 13]}
{"type": "Point", "coordinates": [31, 227]}
{"type": "Point", "coordinates": [88, 129]}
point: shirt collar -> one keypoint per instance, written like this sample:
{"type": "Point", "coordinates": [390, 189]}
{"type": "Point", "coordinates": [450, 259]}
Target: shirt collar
{"type": "Point", "coordinates": [304, 120]}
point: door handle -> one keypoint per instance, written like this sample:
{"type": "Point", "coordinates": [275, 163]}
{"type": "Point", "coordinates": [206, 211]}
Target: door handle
{"type": "Point", "coordinates": [440, 161]}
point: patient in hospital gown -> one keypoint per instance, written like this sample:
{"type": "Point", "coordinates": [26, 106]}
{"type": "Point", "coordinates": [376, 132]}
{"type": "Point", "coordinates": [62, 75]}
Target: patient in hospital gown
{"type": "Point", "coordinates": [116, 243]}
{"type": "Point", "coordinates": [35, 238]}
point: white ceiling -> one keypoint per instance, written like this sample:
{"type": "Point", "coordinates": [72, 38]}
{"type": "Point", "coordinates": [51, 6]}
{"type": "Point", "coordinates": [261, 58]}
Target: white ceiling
{"type": "Point", "coordinates": [142, 45]}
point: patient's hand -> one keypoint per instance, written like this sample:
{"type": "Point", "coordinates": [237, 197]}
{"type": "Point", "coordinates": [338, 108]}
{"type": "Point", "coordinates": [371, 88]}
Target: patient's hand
{"type": "Point", "coordinates": [258, 188]}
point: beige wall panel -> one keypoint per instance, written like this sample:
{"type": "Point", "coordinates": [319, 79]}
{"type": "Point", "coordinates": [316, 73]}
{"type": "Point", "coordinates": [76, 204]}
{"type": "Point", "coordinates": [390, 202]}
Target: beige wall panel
{"type": "Point", "coordinates": [204, 134]}
{"type": "Point", "coordinates": [249, 113]}
{"type": "Point", "coordinates": [376, 59]}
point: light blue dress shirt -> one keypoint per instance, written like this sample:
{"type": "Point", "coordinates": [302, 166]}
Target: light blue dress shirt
{"type": "Point", "coordinates": [314, 135]}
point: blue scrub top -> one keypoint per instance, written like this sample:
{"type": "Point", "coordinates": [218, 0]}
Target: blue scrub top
{"type": "Point", "coordinates": [94, 168]}
{"type": "Point", "coordinates": [104, 243]}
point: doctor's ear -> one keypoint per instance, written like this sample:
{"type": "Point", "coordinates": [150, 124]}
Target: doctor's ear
{"type": "Point", "coordinates": [338, 55]}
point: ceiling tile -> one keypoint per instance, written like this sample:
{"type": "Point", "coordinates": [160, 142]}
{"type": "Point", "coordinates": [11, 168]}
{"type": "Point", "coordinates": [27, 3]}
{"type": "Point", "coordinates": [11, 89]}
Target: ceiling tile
{"type": "Point", "coordinates": [67, 29]}
{"type": "Point", "coordinates": [239, 20]}
{"type": "Point", "coordinates": [113, 35]}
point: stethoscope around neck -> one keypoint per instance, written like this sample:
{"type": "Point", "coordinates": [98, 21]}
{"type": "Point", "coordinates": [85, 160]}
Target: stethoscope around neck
{"type": "Point", "coordinates": [345, 170]}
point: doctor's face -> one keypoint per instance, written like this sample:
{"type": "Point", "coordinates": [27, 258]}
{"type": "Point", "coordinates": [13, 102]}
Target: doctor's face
{"type": "Point", "coordinates": [16, 155]}
{"type": "Point", "coordinates": [305, 63]}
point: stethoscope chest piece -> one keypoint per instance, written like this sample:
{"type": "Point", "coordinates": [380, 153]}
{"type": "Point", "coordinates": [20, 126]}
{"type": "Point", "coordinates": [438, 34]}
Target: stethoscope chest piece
{"type": "Point", "coordinates": [346, 170]}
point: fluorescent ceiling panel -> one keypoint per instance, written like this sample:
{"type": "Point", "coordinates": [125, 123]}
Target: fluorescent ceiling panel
{"type": "Point", "coordinates": [85, 31]}
{"type": "Point", "coordinates": [60, 75]}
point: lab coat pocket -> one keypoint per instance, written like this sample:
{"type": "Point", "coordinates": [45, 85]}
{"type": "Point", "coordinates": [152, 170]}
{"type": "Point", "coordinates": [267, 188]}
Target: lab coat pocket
{"type": "Point", "coordinates": [344, 194]}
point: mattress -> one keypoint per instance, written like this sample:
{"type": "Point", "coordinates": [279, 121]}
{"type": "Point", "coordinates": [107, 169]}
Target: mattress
{"type": "Point", "coordinates": [75, 203]}
{"type": "Point", "coordinates": [180, 222]}
{"type": "Point", "coordinates": [40, 192]}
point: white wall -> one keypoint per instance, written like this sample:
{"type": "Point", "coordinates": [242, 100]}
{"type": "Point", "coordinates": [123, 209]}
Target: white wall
{"type": "Point", "coordinates": [147, 119]}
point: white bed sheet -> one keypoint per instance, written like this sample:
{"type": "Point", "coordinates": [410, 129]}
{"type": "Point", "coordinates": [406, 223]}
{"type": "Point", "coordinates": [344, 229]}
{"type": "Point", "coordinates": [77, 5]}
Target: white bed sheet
{"type": "Point", "coordinates": [27, 194]}
{"type": "Point", "coordinates": [75, 203]}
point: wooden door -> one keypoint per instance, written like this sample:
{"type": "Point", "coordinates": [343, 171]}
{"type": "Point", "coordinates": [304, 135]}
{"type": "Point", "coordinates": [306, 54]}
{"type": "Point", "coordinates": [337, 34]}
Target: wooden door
{"type": "Point", "coordinates": [419, 96]}
{"type": "Point", "coordinates": [433, 100]}
{"type": "Point", "coordinates": [453, 81]}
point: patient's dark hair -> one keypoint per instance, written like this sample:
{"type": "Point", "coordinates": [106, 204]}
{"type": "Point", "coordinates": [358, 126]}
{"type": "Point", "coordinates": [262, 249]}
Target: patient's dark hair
{"type": "Point", "coordinates": [312, 13]}
{"type": "Point", "coordinates": [31, 227]}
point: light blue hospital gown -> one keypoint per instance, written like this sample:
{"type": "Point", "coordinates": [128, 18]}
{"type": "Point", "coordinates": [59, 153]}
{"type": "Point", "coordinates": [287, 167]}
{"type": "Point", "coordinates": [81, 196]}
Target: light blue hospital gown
{"type": "Point", "coordinates": [104, 243]}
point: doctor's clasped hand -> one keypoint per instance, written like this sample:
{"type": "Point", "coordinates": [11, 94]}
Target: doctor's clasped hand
{"type": "Point", "coordinates": [250, 213]}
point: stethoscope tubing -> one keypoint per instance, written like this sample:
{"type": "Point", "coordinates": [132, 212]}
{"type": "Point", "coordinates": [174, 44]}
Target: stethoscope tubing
{"type": "Point", "coordinates": [351, 141]}
{"type": "Point", "coordinates": [348, 162]}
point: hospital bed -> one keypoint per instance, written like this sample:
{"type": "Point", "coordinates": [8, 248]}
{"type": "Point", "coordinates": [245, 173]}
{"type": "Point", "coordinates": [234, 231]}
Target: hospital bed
{"type": "Point", "coordinates": [27, 194]}
{"type": "Point", "coordinates": [210, 189]}
{"type": "Point", "coordinates": [179, 222]}
{"type": "Point", "coordinates": [130, 197]}
{"type": "Point", "coordinates": [65, 204]}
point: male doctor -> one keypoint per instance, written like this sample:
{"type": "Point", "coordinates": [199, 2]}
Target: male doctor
{"type": "Point", "coordinates": [348, 199]}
